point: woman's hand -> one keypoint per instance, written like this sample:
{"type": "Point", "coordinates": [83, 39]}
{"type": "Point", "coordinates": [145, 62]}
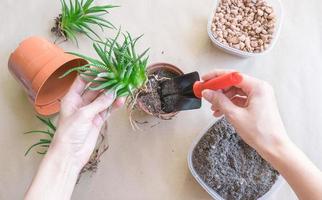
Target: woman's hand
{"type": "Point", "coordinates": [252, 110]}
{"type": "Point", "coordinates": [81, 119]}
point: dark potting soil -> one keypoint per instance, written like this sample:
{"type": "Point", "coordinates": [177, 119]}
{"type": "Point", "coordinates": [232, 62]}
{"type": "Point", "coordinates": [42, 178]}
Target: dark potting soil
{"type": "Point", "coordinates": [151, 97]}
{"type": "Point", "coordinates": [229, 166]}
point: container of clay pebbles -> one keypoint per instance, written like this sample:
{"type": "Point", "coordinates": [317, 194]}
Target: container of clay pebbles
{"type": "Point", "coordinates": [245, 28]}
{"type": "Point", "coordinates": [227, 168]}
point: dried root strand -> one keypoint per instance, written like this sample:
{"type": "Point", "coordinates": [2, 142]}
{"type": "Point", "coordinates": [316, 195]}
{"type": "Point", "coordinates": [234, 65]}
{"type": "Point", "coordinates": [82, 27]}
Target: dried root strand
{"type": "Point", "coordinates": [131, 101]}
{"type": "Point", "coordinates": [156, 77]}
{"type": "Point", "coordinates": [58, 31]}
{"type": "Point", "coordinates": [101, 148]}
{"type": "Point", "coordinates": [131, 107]}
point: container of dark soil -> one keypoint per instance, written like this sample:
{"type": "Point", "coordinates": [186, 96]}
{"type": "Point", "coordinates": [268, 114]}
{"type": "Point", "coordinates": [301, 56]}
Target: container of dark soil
{"type": "Point", "coordinates": [149, 99]}
{"type": "Point", "coordinates": [227, 168]}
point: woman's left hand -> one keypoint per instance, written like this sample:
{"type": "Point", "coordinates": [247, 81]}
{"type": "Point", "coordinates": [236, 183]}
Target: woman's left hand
{"type": "Point", "coordinates": [81, 119]}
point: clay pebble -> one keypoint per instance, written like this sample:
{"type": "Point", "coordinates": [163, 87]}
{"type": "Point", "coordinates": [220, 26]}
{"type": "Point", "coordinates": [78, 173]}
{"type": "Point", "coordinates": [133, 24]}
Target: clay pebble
{"type": "Point", "coordinates": [236, 20]}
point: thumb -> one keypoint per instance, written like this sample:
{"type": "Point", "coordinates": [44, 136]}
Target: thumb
{"type": "Point", "coordinates": [221, 102]}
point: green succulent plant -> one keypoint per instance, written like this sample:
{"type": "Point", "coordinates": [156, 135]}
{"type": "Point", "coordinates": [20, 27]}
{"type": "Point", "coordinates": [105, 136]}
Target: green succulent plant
{"type": "Point", "coordinates": [43, 143]}
{"type": "Point", "coordinates": [78, 16]}
{"type": "Point", "coordinates": [119, 67]}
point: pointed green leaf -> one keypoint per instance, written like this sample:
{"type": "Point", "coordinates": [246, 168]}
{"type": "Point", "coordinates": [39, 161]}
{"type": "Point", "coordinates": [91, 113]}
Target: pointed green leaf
{"type": "Point", "coordinates": [104, 85]}
{"type": "Point", "coordinates": [32, 146]}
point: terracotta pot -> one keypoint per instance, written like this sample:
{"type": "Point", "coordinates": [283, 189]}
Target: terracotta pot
{"type": "Point", "coordinates": [37, 65]}
{"type": "Point", "coordinates": [150, 70]}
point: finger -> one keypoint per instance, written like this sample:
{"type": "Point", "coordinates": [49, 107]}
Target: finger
{"type": "Point", "coordinates": [217, 114]}
{"type": "Point", "coordinates": [102, 117]}
{"type": "Point", "coordinates": [119, 102]}
{"type": "Point", "coordinates": [221, 102]}
{"type": "Point", "coordinates": [248, 83]}
{"type": "Point", "coordinates": [89, 96]}
{"type": "Point", "coordinates": [101, 103]}
{"type": "Point", "coordinates": [72, 101]}
{"type": "Point", "coordinates": [240, 101]}
{"type": "Point", "coordinates": [233, 91]}
{"type": "Point", "coordinates": [215, 73]}
{"type": "Point", "coordinates": [213, 108]}
{"type": "Point", "coordinates": [237, 100]}
{"type": "Point", "coordinates": [77, 87]}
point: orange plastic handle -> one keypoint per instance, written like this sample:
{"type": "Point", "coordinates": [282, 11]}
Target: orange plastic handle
{"type": "Point", "coordinates": [217, 83]}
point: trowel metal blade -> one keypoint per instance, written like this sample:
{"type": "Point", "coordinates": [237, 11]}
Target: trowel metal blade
{"type": "Point", "coordinates": [180, 85]}
{"type": "Point", "coordinates": [175, 103]}
{"type": "Point", "coordinates": [177, 93]}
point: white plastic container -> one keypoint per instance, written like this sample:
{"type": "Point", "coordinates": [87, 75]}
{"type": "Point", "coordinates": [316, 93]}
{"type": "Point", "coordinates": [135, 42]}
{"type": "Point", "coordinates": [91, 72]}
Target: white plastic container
{"type": "Point", "coordinates": [277, 185]}
{"type": "Point", "coordinates": [277, 7]}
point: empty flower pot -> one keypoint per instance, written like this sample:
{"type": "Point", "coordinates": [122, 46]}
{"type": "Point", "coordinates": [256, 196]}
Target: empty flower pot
{"type": "Point", "coordinates": [37, 65]}
{"type": "Point", "coordinates": [152, 69]}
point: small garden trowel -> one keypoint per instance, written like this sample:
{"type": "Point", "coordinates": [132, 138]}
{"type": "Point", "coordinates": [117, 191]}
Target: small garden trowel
{"type": "Point", "coordinates": [184, 92]}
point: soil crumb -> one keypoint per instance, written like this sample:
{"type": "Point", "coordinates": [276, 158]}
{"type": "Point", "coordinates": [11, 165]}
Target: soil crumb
{"type": "Point", "coordinates": [229, 166]}
{"type": "Point", "coordinates": [151, 97]}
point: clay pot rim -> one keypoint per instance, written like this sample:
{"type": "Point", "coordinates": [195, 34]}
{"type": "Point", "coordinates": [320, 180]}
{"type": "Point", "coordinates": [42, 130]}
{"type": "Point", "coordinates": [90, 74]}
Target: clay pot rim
{"type": "Point", "coordinates": [36, 64]}
{"type": "Point", "coordinates": [51, 68]}
{"type": "Point", "coordinates": [150, 68]}
{"type": "Point", "coordinates": [42, 77]}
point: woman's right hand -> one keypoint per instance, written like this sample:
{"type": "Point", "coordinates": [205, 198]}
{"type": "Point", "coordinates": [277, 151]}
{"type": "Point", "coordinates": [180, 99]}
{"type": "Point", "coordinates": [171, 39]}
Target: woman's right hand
{"type": "Point", "coordinates": [251, 108]}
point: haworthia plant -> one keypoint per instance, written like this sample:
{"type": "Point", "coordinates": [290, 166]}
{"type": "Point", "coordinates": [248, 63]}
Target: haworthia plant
{"type": "Point", "coordinates": [78, 16]}
{"type": "Point", "coordinates": [119, 67]}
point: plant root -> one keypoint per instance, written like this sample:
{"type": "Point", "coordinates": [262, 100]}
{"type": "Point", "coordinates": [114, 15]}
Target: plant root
{"type": "Point", "coordinates": [58, 31]}
{"type": "Point", "coordinates": [101, 148]}
{"type": "Point", "coordinates": [132, 106]}
{"type": "Point", "coordinates": [159, 79]}
{"type": "Point", "coordinates": [156, 77]}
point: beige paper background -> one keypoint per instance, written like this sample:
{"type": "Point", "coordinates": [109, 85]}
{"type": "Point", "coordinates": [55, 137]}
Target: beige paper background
{"type": "Point", "coordinates": [152, 164]}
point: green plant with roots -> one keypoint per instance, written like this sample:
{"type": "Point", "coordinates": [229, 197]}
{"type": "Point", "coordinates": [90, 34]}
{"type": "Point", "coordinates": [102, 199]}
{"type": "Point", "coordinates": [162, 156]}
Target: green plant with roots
{"type": "Point", "coordinates": [44, 144]}
{"type": "Point", "coordinates": [118, 67]}
{"type": "Point", "coordinates": [78, 16]}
